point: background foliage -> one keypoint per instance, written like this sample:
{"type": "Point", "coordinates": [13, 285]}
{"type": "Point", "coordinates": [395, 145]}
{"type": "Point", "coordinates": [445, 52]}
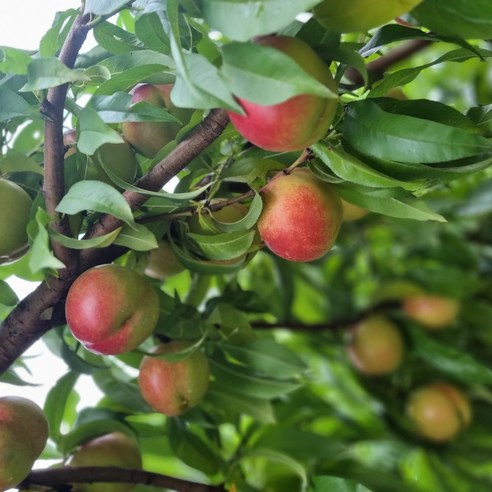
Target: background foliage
{"type": "Point", "coordinates": [285, 410]}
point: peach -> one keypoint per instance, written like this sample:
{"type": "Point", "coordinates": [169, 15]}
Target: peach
{"type": "Point", "coordinates": [301, 216]}
{"type": "Point", "coordinates": [111, 309]}
{"type": "Point", "coordinates": [172, 387]}
{"type": "Point", "coordinates": [431, 311]}
{"type": "Point", "coordinates": [297, 122]}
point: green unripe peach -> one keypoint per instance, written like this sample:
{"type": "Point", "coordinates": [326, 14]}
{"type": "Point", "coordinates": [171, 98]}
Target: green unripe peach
{"type": "Point", "coordinates": [376, 346]}
{"type": "Point", "coordinates": [431, 311]}
{"type": "Point", "coordinates": [162, 262]}
{"type": "Point", "coordinates": [118, 158]}
{"type": "Point", "coordinates": [15, 207]}
{"type": "Point", "coordinates": [23, 436]}
{"type": "Point", "coordinates": [114, 449]}
{"type": "Point", "coordinates": [301, 216]}
{"type": "Point", "coordinates": [360, 15]}
{"type": "Point", "coordinates": [172, 387]}
{"type": "Point", "coordinates": [298, 122]}
{"type": "Point", "coordinates": [439, 411]}
{"type": "Point", "coordinates": [149, 137]}
{"type": "Point", "coordinates": [352, 212]}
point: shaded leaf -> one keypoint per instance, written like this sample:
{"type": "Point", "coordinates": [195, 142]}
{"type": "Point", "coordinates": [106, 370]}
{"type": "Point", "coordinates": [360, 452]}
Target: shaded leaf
{"type": "Point", "coordinates": [98, 197]}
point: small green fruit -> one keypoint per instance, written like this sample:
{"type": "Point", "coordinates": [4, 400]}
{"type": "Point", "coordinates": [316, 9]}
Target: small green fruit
{"type": "Point", "coordinates": [15, 207]}
{"type": "Point", "coordinates": [162, 262]}
{"type": "Point", "coordinates": [172, 387]}
{"type": "Point", "coordinates": [114, 449]}
{"type": "Point", "coordinates": [23, 436]}
{"type": "Point", "coordinates": [352, 212]}
{"type": "Point", "coordinates": [149, 137]}
{"type": "Point", "coordinates": [118, 158]}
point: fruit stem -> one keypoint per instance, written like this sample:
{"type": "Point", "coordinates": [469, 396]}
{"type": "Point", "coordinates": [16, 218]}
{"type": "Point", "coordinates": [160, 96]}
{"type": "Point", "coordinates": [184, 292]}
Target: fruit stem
{"type": "Point", "coordinates": [306, 156]}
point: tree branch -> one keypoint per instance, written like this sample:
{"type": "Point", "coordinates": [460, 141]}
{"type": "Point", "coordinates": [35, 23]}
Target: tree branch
{"type": "Point", "coordinates": [334, 325]}
{"type": "Point", "coordinates": [187, 150]}
{"type": "Point", "coordinates": [53, 107]}
{"type": "Point", "coordinates": [378, 67]}
{"type": "Point", "coordinates": [60, 477]}
{"type": "Point", "coordinates": [23, 326]}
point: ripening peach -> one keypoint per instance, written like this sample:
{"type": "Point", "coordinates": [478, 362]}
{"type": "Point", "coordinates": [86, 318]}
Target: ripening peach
{"type": "Point", "coordinates": [301, 216]}
{"type": "Point", "coordinates": [431, 311]}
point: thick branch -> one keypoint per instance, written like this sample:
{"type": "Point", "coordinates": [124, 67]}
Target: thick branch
{"type": "Point", "coordinates": [59, 477]}
{"type": "Point", "coordinates": [187, 150]}
{"type": "Point", "coordinates": [53, 108]}
{"type": "Point", "coordinates": [23, 326]}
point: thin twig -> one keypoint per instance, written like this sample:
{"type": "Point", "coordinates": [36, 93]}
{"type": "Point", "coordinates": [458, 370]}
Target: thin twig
{"type": "Point", "coordinates": [378, 67]}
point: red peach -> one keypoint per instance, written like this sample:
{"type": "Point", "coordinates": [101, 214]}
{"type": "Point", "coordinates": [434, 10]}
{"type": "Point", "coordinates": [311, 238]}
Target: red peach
{"type": "Point", "coordinates": [301, 216]}
{"type": "Point", "coordinates": [298, 122]}
{"type": "Point", "coordinates": [172, 387]}
{"type": "Point", "coordinates": [111, 309]}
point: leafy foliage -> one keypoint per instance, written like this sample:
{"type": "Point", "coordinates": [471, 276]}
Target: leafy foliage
{"type": "Point", "coordinates": [285, 410]}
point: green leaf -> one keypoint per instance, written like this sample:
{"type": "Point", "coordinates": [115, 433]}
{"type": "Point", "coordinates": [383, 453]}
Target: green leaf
{"type": "Point", "coordinates": [122, 392]}
{"type": "Point", "coordinates": [114, 39]}
{"type": "Point", "coordinates": [14, 60]}
{"type": "Point", "coordinates": [402, 138]}
{"type": "Point", "coordinates": [98, 197]}
{"type": "Point", "coordinates": [239, 380]}
{"type": "Point", "coordinates": [417, 471]}
{"type": "Point", "coordinates": [136, 237]}
{"type": "Point", "coordinates": [56, 401]}
{"type": "Point", "coordinates": [198, 83]}
{"type": "Point", "coordinates": [241, 20]}
{"type": "Point", "coordinates": [191, 449]}
{"type": "Point", "coordinates": [17, 162]}
{"type": "Point", "coordinates": [7, 296]}
{"type": "Point", "coordinates": [40, 255]}
{"type": "Point", "coordinates": [386, 203]}
{"type": "Point", "coordinates": [266, 356]}
{"type": "Point", "coordinates": [469, 20]}
{"type": "Point", "coordinates": [205, 266]}
{"type": "Point", "coordinates": [266, 75]}
{"type": "Point", "coordinates": [104, 7]}
{"type": "Point", "coordinates": [116, 109]}
{"type": "Point", "coordinates": [91, 429]}
{"type": "Point", "coordinates": [11, 377]}
{"type": "Point", "coordinates": [250, 169]}
{"type": "Point", "coordinates": [148, 28]}
{"type": "Point", "coordinates": [96, 242]}
{"type": "Point", "coordinates": [225, 246]}
{"type": "Point", "coordinates": [12, 106]}
{"type": "Point", "coordinates": [449, 360]}
{"type": "Point", "coordinates": [407, 75]}
{"type": "Point", "coordinates": [350, 168]}
{"type": "Point", "coordinates": [93, 132]}
{"type": "Point", "coordinates": [298, 443]}
{"type": "Point", "coordinates": [236, 403]}
{"type": "Point", "coordinates": [336, 484]}
{"type": "Point", "coordinates": [278, 457]}
{"type": "Point", "coordinates": [43, 73]}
